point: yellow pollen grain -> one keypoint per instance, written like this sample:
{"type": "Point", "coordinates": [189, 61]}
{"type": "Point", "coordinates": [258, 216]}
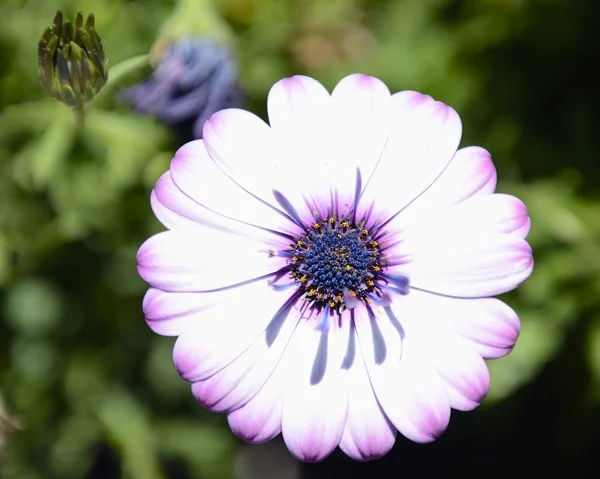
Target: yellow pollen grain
{"type": "Point", "coordinates": [316, 226]}
{"type": "Point", "coordinates": [294, 259]}
{"type": "Point", "coordinates": [331, 304]}
{"type": "Point", "coordinates": [345, 224]}
{"type": "Point", "coordinates": [332, 220]}
{"type": "Point", "coordinates": [312, 291]}
{"type": "Point", "coordinates": [376, 268]}
{"type": "Point", "coordinates": [348, 267]}
{"type": "Point", "coordinates": [299, 243]}
{"type": "Point", "coordinates": [352, 293]}
{"type": "Point", "coordinates": [371, 283]}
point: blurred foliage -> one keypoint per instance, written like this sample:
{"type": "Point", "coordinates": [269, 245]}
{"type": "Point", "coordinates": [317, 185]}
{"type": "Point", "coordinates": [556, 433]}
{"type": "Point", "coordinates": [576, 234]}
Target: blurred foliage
{"type": "Point", "coordinates": [87, 390]}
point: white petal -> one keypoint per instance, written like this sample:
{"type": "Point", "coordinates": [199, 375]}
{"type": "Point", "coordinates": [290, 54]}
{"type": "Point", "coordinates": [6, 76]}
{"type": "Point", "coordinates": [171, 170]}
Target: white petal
{"type": "Point", "coordinates": [169, 314]}
{"type": "Point", "coordinates": [368, 434]}
{"type": "Point", "coordinates": [457, 361]}
{"type": "Point", "coordinates": [462, 369]}
{"type": "Point", "coordinates": [239, 381]}
{"type": "Point", "coordinates": [361, 120]}
{"type": "Point", "coordinates": [253, 156]}
{"type": "Point", "coordinates": [488, 214]}
{"type": "Point", "coordinates": [423, 139]}
{"type": "Point", "coordinates": [203, 260]}
{"type": "Point", "coordinates": [299, 114]}
{"type": "Point", "coordinates": [492, 326]}
{"type": "Point", "coordinates": [464, 265]}
{"type": "Point", "coordinates": [221, 333]}
{"type": "Point", "coordinates": [259, 420]}
{"type": "Point", "coordinates": [198, 176]}
{"type": "Point", "coordinates": [178, 211]}
{"type": "Point", "coordinates": [471, 173]}
{"type": "Point", "coordinates": [315, 402]}
{"type": "Point", "coordinates": [488, 325]}
{"type": "Point", "coordinates": [172, 208]}
{"type": "Point", "coordinates": [407, 387]}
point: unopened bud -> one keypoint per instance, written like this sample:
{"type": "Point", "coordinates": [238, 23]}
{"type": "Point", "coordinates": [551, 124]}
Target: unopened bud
{"type": "Point", "coordinates": [193, 78]}
{"type": "Point", "coordinates": [71, 60]}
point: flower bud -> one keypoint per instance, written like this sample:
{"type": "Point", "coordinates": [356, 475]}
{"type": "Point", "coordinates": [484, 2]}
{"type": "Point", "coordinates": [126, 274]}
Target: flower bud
{"type": "Point", "coordinates": [194, 77]}
{"type": "Point", "coordinates": [71, 60]}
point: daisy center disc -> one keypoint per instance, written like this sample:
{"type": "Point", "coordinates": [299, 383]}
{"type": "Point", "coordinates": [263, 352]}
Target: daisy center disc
{"type": "Point", "coordinates": [337, 264]}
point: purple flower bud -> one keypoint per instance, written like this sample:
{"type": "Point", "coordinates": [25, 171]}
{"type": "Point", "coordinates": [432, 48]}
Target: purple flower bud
{"type": "Point", "coordinates": [195, 78]}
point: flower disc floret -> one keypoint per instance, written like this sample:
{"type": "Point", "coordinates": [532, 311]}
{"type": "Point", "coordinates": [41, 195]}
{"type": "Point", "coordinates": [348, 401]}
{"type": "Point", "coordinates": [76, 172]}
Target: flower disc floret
{"type": "Point", "coordinates": [337, 263]}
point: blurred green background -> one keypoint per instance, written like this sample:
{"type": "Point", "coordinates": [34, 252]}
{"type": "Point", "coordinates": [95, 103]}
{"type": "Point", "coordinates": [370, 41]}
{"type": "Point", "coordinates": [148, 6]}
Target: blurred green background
{"type": "Point", "coordinates": [88, 391]}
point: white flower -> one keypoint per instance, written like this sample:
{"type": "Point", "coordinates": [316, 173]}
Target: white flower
{"type": "Point", "coordinates": [330, 276]}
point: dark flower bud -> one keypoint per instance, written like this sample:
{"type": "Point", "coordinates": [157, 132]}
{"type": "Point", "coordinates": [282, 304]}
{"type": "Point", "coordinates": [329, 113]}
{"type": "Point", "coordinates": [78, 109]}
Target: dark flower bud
{"type": "Point", "coordinates": [71, 60]}
{"type": "Point", "coordinates": [193, 78]}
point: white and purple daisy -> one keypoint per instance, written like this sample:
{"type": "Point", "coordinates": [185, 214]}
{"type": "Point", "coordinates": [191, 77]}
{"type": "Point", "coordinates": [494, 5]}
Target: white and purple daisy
{"type": "Point", "coordinates": [329, 275]}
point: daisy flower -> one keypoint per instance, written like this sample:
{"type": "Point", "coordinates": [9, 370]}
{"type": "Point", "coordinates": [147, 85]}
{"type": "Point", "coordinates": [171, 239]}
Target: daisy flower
{"type": "Point", "coordinates": [329, 275]}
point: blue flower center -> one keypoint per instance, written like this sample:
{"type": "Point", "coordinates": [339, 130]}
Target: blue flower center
{"type": "Point", "coordinates": [337, 264]}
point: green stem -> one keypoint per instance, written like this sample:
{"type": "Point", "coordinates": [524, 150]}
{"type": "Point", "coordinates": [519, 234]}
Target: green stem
{"type": "Point", "coordinates": [117, 73]}
{"type": "Point", "coordinates": [80, 113]}
{"type": "Point", "coordinates": [193, 5]}
{"type": "Point", "coordinates": [194, 17]}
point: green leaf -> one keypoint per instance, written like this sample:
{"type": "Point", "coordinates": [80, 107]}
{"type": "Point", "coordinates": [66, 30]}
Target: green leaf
{"type": "Point", "coordinates": [33, 306]}
{"type": "Point", "coordinates": [72, 451]}
{"type": "Point", "coordinates": [5, 260]}
{"type": "Point", "coordinates": [138, 134]}
{"type": "Point", "coordinates": [206, 447]}
{"type": "Point", "coordinates": [128, 428]}
{"type": "Point", "coordinates": [593, 357]}
{"type": "Point", "coordinates": [31, 117]}
{"type": "Point", "coordinates": [52, 152]}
